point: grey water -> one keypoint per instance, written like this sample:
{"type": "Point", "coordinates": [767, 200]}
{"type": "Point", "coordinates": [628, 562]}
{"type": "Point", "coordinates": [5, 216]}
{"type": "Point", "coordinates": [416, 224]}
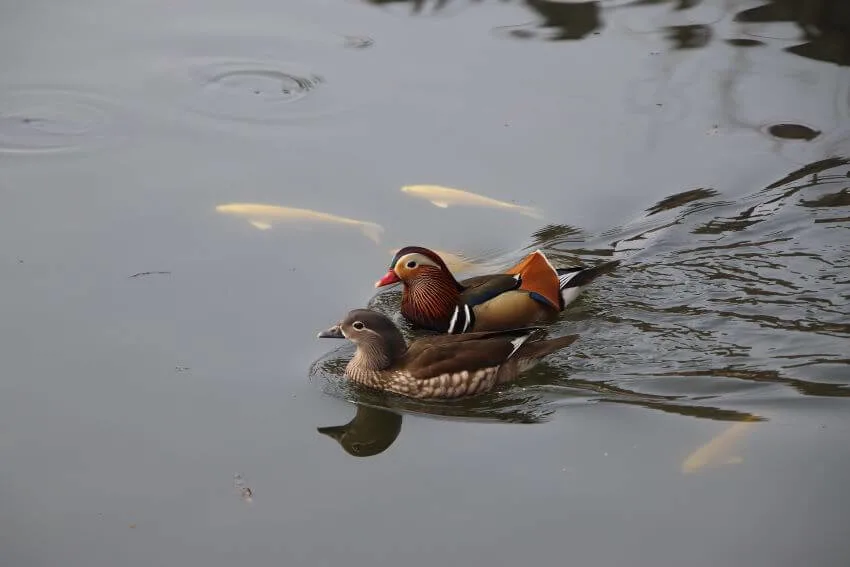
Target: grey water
{"type": "Point", "coordinates": [164, 399]}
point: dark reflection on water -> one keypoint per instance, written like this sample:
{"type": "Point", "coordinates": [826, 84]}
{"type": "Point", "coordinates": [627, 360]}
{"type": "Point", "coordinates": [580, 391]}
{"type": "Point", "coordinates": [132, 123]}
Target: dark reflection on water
{"type": "Point", "coordinates": [693, 36]}
{"type": "Point", "coordinates": [714, 299]}
{"type": "Point", "coordinates": [680, 199]}
{"type": "Point", "coordinates": [793, 132]}
{"type": "Point", "coordinates": [824, 24]}
{"type": "Point", "coordinates": [371, 431]}
{"type": "Point", "coordinates": [812, 169]}
{"type": "Point", "coordinates": [837, 199]}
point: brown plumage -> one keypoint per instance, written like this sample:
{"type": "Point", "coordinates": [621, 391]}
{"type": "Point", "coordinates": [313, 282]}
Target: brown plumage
{"type": "Point", "coordinates": [442, 366]}
{"type": "Point", "coordinates": [531, 292]}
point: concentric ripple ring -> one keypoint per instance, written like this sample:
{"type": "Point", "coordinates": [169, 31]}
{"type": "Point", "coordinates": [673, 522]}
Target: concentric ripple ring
{"type": "Point", "coordinates": [52, 119]}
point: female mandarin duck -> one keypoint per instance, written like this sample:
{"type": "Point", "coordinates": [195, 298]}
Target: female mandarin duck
{"type": "Point", "coordinates": [531, 292]}
{"type": "Point", "coordinates": [439, 366]}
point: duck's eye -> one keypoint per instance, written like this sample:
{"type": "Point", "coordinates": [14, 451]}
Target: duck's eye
{"type": "Point", "coordinates": [358, 325]}
{"type": "Point", "coordinates": [411, 264]}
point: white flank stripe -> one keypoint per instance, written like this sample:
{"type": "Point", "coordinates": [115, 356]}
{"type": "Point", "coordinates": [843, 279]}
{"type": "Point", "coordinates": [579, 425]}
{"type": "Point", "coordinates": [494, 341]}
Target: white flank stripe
{"type": "Point", "coordinates": [468, 317]}
{"type": "Point", "coordinates": [517, 342]}
{"type": "Point", "coordinates": [454, 319]}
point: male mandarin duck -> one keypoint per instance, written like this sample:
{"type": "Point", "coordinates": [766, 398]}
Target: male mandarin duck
{"type": "Point", "coordinates": [438, 366]}
{"type": "Point", "coordinates": [531, 292]}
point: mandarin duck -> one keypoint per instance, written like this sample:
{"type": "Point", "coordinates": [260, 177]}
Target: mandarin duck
{"type": "Point", "coordinates": [531, 292]}
{"type": "Point", "coordinates": [438, 366]}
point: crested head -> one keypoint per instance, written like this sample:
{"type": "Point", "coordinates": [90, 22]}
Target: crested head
{"type": "Point", "coordinates": [414, 263]}
{"type": "Point", "coordinates": [430, 254]}
{"type": "Point", "coordinates": [379, 342]}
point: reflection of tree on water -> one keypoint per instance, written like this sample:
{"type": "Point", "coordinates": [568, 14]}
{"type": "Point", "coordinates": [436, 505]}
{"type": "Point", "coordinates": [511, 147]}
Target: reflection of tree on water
{"type": "Point", "coordinates": [824, 24]}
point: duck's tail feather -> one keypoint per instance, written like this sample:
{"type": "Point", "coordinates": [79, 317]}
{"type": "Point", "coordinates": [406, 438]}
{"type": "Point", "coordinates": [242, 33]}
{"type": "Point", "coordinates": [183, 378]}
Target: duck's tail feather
{"type": "Point", "coordinates": [581, 276]}
{"type": "Point", "coordinates": [539, 349]}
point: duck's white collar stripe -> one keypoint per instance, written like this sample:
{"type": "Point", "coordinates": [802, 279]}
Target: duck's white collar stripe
{"type": "Point", "coordinates": [454, 319]}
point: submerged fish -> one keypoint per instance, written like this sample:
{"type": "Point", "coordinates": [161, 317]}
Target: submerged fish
{"type": "Point", "coordinates": [444, 196]}
{"type": "Point", "coordinates": [263, 216]}
{"type": "Point", "coordinates": [718, 450]}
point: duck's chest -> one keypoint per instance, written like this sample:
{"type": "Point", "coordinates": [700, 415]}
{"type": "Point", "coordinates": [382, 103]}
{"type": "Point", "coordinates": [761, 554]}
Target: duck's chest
{"type": "Point", "coordinates": [444, 386]}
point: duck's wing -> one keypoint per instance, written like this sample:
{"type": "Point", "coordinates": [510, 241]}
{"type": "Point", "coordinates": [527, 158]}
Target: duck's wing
{"type": "Point", "coordinates": [479, 290]}
{"type": "Point", "coordinates": [449, 354]}
{"type": "Point", "coordinates": [539, 278]}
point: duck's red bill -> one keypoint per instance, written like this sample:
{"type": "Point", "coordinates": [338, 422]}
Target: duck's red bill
{"type": "Point", "coordinates": [389, 278]}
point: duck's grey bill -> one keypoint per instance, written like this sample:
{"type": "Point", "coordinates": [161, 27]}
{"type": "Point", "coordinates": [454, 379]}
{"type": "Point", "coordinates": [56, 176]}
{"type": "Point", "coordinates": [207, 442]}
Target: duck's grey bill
{"type": "Point", "coordinates": [332, 333]}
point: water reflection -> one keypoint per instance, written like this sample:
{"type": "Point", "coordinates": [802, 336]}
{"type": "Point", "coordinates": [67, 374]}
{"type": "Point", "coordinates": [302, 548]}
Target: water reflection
{"type": "Point", "coordinates": [693, 36]}
{"type": "Point", "coordinates": [810, 169]}
{"type": "Point", "coordinates": [371, 431]}
{"type": "Point", "coordinates": [823, 24]}
{"type": "Point", "coordinates": [680, 199]}
{"type": "Point", "coordinates": [838, 199]}
{"type": "Point", "coordinates": [558, 21]}
{"type": "Point", "coordinates": [793, 132]}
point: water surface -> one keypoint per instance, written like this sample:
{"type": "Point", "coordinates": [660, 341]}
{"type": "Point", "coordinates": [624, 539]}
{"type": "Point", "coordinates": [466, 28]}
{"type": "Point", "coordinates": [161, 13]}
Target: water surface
{"type": "Point", "coordinates": [164, 400]}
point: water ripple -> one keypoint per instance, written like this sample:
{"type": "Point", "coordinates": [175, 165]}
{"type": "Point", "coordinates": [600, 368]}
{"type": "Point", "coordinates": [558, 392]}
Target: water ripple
{"type": "Point", "coordinates": [713, 307]}
{"type": "Point", "coordinates": [53, 119]}
{"type": "Point", "coordinates": [250, 91]}
{"type": "Point", "coordinates": [730, 292]}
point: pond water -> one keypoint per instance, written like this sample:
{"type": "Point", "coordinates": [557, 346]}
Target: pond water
{"type": "Point", "coordinates": [164, 399]}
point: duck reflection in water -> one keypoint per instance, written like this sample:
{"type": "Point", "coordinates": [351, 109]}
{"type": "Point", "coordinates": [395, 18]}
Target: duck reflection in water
{"type": "Point", "coordinates": [369, 433]}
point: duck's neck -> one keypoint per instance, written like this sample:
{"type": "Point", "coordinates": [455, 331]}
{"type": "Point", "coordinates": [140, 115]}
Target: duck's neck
{"type": "Point", "coordinates": [430, 299]}
{"type": "Point", "coordinates": [373, 357]}
{"type": "Point", "coordinates": [370, 357]}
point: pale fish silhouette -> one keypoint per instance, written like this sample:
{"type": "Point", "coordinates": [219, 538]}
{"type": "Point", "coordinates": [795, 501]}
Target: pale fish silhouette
{"type": "Point", "coordinates": [264, 216]}
{"type": "Point", "coordinates": [445, 196]}
{"type": "Point", "coordinates": [718, 450]}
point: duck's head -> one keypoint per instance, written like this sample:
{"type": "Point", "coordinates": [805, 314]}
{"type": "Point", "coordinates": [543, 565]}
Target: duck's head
{"type": "Point", "coordinates": [379, 342]}
{"type": "Point", "coordinates": [412, 263]}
